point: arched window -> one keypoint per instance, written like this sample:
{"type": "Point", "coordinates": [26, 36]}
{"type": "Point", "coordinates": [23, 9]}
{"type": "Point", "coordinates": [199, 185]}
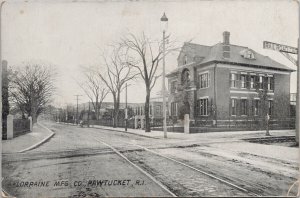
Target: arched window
{"type": "Point", "coordinates": [185, 60]}
{"type": "Point", "coordinates": [185, 76]}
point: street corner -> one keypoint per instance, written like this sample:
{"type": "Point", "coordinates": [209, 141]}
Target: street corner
{"type": "Point", "coordinates": [39, 135]}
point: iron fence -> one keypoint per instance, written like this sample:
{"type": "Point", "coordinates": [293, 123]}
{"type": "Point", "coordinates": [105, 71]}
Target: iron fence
{"type": "Point", "coordinates": [4, 129]}
{"type": "Point", "coordinates": [246, 123]}
{"type": "Point", "coordinates": [207, 124]}
{"type": "Point", "coordinates": [21, 126]}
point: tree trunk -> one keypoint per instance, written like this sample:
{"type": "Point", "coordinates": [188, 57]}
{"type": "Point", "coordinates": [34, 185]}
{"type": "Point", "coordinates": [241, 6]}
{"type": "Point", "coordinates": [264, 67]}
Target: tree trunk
{"type": "Point", "coordinates": [100, 105]}
{"type": "Point", "coordinates": [114, 113]}
{"type": "Point", "coordinates": [97, 109]}
{"type": "Point", "coordinates": [34, 117]}
{"type": "Point", "coordinates": [116, 109]}
{"type": "Point", "coordinates": [147, 117]}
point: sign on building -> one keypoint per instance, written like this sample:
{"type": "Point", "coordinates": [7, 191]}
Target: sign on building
{"type": "Point", "coordinates": [279, 47]}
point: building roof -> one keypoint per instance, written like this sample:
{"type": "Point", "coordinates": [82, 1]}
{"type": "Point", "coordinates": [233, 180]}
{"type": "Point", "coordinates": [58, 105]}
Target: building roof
{"type": "Point", "coordinates": [215, 54]}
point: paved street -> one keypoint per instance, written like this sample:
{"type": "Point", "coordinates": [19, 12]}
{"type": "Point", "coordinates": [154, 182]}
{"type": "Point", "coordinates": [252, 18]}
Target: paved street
{"type": "Point", "coordinates": [89, 162]}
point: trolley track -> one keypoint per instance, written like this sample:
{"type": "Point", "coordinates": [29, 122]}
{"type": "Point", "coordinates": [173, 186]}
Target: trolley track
{"type": "Point", "coordinates": [169, 172]}
{"type": "Point", "coordinates": [136, 155]}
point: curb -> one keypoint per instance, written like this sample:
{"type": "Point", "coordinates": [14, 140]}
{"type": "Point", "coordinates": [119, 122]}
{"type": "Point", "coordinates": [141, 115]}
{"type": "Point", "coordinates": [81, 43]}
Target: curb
{"type": "Point", "coordinates": [5, 194]}
{"type": "Point", "coordinates": [39, 143]}
{"type": "Point", "coordinates": [125, 132]}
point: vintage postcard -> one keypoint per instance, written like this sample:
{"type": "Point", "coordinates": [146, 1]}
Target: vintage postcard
{"type": "Point", "coordinates": [161, 98]}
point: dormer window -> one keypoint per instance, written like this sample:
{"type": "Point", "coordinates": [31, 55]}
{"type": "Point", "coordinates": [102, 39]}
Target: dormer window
{"type": "Point", "coordinates": [247, 53]}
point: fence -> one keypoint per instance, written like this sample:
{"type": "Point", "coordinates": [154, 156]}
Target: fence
{"type": "Point", "coordinates": [109, 122]}
{"type": "Point", "coordinates": [208, 124]}
{"type": "Point", "coordinates": [238, 123]}
{"type": "Point", "coordinates": [20, 126]}
{"type": "Point", "coordinates": [4, 129]}
{"type": "Point", "coordinates": [102, 122]}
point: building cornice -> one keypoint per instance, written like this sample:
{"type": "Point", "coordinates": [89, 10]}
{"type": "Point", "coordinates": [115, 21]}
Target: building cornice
{"type": "Point", "coordinates": [245, 65]}
{"type": "Point", "coordinates": [231, 65]}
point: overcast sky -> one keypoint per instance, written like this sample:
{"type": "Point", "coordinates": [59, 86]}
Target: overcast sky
{"type": "Point", "coordinates": [70, 35]}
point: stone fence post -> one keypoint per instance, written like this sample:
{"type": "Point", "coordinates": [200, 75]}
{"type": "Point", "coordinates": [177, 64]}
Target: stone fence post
{"type": "Point", "coordinates": [142, 122]}
{"type": "Point", "coordinates": [186, 123]}
{"type": "Point", "coordinates": [135, 122]}
{"type": "Point", "coordinates": [30, 120]}
{"type": "Point", "coordinates": [10, 127]}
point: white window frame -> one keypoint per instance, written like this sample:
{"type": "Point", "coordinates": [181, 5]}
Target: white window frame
{"type": "Point", "coordinates": [269, 83]}
{"type": "Point", "coordinates": [207, 81]}
{"type": "Point", "coordinates": [201, 110]}
{"type": "Point", "coordinates": [245, 107]}
{"type": "Point", "coordinates": [261, 81]}
{"type": "Point", "coordinates": [252, 83]}
{"type": "Point", "coordinates": [175, 109]}
{"type": "Point", "coordinates": [233, 74]}
{"type": "Point", "coordinates": [233, 103]}
{"type": "Point", "coordinates": [256, 110]}
{"type": "Point", "coordinates": [243, 82]}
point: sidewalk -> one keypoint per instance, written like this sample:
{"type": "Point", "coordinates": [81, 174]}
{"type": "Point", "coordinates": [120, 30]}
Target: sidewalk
{"type": "Point", "coordinates": [226, 141]}
{"type": "Point", "coordinates": [27, 141]}
{"type": "Point", "coordinates": [209, 136]}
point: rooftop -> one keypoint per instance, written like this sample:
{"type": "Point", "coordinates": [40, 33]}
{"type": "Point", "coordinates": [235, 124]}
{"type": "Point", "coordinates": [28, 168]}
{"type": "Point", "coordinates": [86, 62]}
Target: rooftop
{"type": "Point", "coordinates": [210, 54]}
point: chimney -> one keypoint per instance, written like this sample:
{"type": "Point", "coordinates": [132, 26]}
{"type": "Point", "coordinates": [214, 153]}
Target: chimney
{"type": "Point", "coordinates": [226, 36]}
{"type": "Point", "coordinates": [226, 44]}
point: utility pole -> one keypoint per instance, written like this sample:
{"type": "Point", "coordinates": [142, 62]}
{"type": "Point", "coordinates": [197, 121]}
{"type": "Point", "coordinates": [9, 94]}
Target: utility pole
{"type": "Point", "coordinates": [298, 95]}
{"type": "Point", "coordinates": [76, 119]}
{"type": "Point", "coordinates": [164, 21]}
{"type": "Point", "coordinates": [126, 110]}
{"type": "Point", "coordinates": [1, 92]}
{"type": "Point", "coordinates": [88, 119]}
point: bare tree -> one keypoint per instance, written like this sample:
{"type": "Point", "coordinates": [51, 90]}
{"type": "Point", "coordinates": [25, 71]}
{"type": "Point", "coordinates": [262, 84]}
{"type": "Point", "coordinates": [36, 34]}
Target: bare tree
{"type": "Point", "coordinates": [117, 73]}
{"type": "Point", "coordinates": [31, 88]}
{"type": "Point", "coordinates": [94, 88]}
{"type": "Point", "coordinates": [262, 90]}
{"type": "Point", "coordinates": [146, 56]}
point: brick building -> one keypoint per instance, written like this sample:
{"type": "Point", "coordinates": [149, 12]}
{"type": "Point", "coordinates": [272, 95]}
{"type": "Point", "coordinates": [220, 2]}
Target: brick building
{"type": "Point", "coordinates": [225, 81]}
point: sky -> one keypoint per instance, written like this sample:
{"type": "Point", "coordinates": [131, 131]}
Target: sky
{"type": "Point", "coordinates": [74, 34]}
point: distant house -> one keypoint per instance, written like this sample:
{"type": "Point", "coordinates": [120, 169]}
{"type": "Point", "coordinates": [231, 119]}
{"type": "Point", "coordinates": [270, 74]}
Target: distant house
{"type": "Point", "coordinates": [226, 81]}
{"type": "Point", "coordinates": [155, 110]}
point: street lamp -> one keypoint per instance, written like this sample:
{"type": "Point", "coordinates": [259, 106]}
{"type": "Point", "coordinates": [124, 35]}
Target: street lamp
{"type": "Point", "coordinates": [164, 23]}
{"type": "Point", "coordinates": [126, 110]}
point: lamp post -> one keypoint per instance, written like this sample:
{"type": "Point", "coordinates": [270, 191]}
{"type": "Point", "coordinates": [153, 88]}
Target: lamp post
{"type": "Point", "coordinates": [88, 118]}
{"type": "Point", "coordinates": [126, 110]}
{"type": "Point", "coordinates": [164, 22]}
